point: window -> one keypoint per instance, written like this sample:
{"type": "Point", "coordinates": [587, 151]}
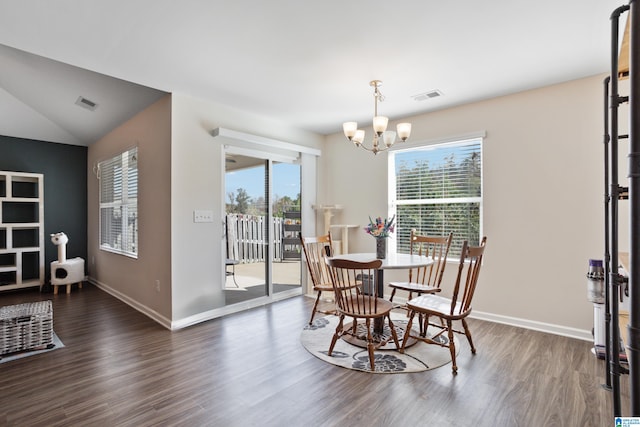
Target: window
{"type": "Point", "coordinates": [437, 189]}
{"type": "Point", "coordinates": [119, 203]}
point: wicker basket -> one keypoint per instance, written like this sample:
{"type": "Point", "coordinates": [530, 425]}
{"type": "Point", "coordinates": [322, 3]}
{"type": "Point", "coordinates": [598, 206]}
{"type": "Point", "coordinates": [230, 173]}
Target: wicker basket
{"type": "Point", "coordinates": [26, 326]}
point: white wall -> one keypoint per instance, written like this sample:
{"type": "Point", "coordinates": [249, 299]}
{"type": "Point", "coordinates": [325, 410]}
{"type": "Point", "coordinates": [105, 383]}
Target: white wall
{"type": "Point", "coordinates": [543, 201]}
{"type": "Point", "coordinates": [543, 198]}
{"type": "Point", "coordinates": [197, 166]}
{"type": "Point", "coordinates": [180, 170]}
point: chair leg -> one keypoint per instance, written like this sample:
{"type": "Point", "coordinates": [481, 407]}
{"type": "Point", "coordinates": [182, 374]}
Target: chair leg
{"type": "Point", "coordinates": [423, 320]}
{"type": "Point", "coordinates": [315, 307]}
{"type": "Point", "coordinates": [467, 332]}
{"type": "Point", "coordinates": [393, 332]}
{"type": "Point", "coordinates": [407, 331]}
{"type": "Point", "coordinates": [452, 348]}
{"type": "Point", "coordinates": [336, 335]}
{"type": "Point", "coordinates": [370, 345]}
{"type": "Point", "coordinates": [232, 273]}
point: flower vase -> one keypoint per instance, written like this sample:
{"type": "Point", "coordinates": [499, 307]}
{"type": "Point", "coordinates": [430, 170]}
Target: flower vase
{"type": "Point", "coordinates": [381, 247]}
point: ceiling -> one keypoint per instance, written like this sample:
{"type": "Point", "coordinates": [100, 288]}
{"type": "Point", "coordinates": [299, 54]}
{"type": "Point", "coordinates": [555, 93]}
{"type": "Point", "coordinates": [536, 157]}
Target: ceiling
{"type": "Point", "coordinates": [307, 64]}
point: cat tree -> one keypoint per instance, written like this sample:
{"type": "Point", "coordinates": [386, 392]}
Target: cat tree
{"type": "Point", "coordinates": [65, 271]}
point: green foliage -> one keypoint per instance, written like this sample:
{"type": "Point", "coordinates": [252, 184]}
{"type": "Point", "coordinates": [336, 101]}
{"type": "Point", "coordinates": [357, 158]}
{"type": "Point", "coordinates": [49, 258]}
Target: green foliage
{"type": "Point", "coordinates": [285, 204]}
{"type": "Point", "coordinates": [241, 203]}
{"type": "Point", "coordinates": [425, 186]}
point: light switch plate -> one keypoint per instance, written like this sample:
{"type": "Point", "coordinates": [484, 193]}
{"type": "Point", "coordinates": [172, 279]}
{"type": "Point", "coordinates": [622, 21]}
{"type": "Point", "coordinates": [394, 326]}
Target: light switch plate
{"type": "Point", "coordinates": [202, 216]}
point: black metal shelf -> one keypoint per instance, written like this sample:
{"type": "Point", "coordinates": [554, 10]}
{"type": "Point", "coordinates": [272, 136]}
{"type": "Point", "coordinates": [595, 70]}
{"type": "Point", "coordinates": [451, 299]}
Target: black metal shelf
{"type": "Point", "coordinates": [614, 193]}
{"type": "Point", "coordinates": [290, 240]}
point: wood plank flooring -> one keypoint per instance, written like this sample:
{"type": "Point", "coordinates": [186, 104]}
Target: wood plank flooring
{"type": "Point", "coordinates": [120, 368]}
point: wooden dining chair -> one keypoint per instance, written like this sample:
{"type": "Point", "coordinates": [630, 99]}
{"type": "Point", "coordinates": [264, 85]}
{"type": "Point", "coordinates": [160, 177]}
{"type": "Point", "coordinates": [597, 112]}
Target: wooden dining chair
{"type": "Point", "coordinates": [356, 297]}
{"type": "Point", "coordinates": [448, 310]}
{"type": "Point", "coordinates": [426, 279]}
{"type": "Point", "coordinates": [315, 250]}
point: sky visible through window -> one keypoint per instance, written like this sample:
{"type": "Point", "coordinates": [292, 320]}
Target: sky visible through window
{"type": "Point", "coordinates": [286, 181]}
{"type": "Point", "coordinates": [435, 155]}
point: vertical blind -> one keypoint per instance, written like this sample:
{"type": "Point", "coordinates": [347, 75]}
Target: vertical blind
{"type": "Point", "coordinates": [119, 203]}
{"type": "Point", "coordinates": [438, 190]}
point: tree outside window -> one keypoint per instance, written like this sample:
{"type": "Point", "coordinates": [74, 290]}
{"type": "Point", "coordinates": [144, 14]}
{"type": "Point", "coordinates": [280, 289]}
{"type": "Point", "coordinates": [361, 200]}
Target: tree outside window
{"type": "Point", "coordinates": [437, 189]}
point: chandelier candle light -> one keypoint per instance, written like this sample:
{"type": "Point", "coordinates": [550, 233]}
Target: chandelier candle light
{"type": "Point", "coordinates": [380, 131]}
{"type": "Point", "coordinates": [380, 229]}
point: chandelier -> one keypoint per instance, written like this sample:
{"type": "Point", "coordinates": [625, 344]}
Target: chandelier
{"type": "Point", "coordinates": [380, 132]}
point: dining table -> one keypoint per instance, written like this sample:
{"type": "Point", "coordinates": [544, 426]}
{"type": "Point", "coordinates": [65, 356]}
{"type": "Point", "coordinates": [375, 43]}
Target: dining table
{"type": "Point", "coordinates": [392, 261]}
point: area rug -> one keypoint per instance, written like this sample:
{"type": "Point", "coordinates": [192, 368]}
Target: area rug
{"type": "Point", "coordinates": [316, 338]}
{"type": "Point", "coordinates": [22, 354]}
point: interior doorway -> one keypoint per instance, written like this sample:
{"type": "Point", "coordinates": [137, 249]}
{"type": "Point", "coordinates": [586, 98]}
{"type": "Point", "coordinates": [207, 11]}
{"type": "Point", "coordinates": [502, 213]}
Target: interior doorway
{"type": "Point", "coordinates": [262, 221]}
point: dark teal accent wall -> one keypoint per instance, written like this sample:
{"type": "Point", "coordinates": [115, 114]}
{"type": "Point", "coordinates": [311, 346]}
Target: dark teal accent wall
{"type": "Point", "coordinates": [65, 189]}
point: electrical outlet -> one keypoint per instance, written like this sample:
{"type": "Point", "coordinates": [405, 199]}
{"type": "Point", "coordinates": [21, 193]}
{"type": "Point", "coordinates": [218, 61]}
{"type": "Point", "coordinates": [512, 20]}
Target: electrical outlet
{"type": "Point", "coordinates": [202, 216]}
{"type": "Point", "coordinates": [157, 285]}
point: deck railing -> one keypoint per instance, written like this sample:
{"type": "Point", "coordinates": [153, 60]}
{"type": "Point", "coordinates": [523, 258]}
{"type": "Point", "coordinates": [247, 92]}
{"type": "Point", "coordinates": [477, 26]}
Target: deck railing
{"type": "Point", "coordinates": [247, 240]}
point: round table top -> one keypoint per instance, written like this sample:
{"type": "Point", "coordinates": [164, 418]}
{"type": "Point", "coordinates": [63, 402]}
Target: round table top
{"type": "Point", "coordinates": [392, 261]}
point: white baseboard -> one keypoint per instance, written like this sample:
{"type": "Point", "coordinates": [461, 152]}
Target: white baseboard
{"type": "Point", "coordinates": [212, 314]}
{"type": "Point", "coordinates": [215, 313]}
{"type": "Point", "coordinates": [533, 325]}
{"type": "Point", "coordinates": [154, 315]}
{"type": "Point", "coordinates": [223, 311]}
{"type": "Point", "coordinates": [564, 331]}
{"type": "Point", "coordinates": [190, 320]}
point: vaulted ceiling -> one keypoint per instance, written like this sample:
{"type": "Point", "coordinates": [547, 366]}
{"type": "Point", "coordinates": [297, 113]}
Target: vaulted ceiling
{"type": "Point", "coordinates": [307, 64]}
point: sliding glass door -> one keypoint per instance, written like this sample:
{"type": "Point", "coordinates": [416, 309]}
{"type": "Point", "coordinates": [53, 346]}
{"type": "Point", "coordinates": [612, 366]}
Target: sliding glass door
{"type": "Point", "coordinates": [262, 221]}
{"type": "Point", "coordinates": [247, 244]}
{"type": "Point", "coordinates": [287, 221]}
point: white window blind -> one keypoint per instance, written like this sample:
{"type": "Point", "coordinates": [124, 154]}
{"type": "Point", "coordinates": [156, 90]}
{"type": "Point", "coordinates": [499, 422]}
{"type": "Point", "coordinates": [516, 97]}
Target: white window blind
{"type": "Point", "coordinates": [119, 203]}
{"type": "Point", "coordinates": [438, 189]}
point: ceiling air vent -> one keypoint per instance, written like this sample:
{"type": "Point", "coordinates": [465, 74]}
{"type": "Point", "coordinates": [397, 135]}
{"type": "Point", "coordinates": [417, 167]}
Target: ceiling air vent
{"type": "Point", "coordinates": [427, 95]}
{"type": "Point", "coordinates": [86, 103]}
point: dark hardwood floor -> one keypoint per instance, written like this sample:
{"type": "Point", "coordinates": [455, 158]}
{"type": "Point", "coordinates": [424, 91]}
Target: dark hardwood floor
{"type": "Point", "coordinates": [120, 368]}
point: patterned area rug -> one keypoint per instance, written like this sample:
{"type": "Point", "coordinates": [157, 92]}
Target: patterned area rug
{"type": "Point", "coordinates": [21, 354]}
{"type": "Point", "coordinates": [417, 358]}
